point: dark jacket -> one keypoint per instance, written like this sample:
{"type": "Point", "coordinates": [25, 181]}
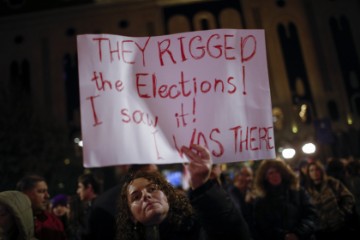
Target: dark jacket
{"type": "Point", "coordinates": [216, 218]}
{"type": "Point", "coordinates": [282, 211]}
{"type": "Point", "coordinates": [217, 214]}
{"type": "Point", "coordinates": [102, 217]}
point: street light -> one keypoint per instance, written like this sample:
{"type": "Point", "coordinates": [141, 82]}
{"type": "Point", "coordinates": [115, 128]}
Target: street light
{"type": "Point", "coordinates": [308, 148]}
{"type": "Point", "coordinates": [288, 153]}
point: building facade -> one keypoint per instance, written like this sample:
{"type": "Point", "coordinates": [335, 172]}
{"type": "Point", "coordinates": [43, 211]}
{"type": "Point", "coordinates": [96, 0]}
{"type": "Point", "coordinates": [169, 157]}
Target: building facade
{"type": "Point", "coordinates": [313, 50]}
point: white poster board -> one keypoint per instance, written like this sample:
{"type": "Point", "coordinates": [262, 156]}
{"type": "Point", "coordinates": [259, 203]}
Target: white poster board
{"type": "Point", "coordinates": [143, 98]}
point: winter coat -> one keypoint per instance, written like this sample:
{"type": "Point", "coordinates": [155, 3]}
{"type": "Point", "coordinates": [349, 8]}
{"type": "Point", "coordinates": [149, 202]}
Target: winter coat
{"type": "Point", "coordinates": [20, 206]}
{"type": "Point", "coordinates": [284, 211]}
{"type": "Point", "coordinates": [333, 202]}
{"type": "Point", "coordinates": [217, 214]}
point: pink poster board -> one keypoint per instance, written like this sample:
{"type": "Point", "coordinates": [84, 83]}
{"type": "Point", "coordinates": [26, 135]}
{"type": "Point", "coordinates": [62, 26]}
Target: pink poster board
{"type": "Point", "coordinates": [143, 98]}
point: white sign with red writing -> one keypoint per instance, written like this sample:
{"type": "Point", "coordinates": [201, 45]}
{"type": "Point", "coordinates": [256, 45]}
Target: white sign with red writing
{"type": "Point", "coordinates": [143, 98]}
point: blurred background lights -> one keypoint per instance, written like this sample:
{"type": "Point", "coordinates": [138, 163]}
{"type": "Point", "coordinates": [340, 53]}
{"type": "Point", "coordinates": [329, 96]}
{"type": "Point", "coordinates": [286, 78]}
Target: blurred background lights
{"type": "Point", "coordinates": [288, 153]}
{"type": "Point", "coordinates": [294, 128]}
{"type": "Point", "coordinates": [66, 161]}
{"type": "Point", "coordinates": [308, 148]}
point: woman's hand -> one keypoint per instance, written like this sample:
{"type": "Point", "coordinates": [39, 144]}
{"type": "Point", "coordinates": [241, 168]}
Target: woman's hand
{"type": "Point", "coordinates": [200, 164]}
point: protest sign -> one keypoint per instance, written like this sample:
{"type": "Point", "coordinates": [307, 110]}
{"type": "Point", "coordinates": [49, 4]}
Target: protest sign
{"type": "Point", "coordinates": [143, 98]}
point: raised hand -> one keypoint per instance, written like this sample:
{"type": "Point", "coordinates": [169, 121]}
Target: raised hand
{"type": "Point", "coordinates": [200, 163]}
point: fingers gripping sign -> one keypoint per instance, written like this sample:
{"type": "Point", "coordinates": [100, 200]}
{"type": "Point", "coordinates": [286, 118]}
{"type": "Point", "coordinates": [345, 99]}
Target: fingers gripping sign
{"type": "Point", "coordinates": [200, 163]}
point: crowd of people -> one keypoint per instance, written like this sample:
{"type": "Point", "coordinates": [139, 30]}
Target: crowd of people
{"type": "Point", "coordinates": [269, 200]}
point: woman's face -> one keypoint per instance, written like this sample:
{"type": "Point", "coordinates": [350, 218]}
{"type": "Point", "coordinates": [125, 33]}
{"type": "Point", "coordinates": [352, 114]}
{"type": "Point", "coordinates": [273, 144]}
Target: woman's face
{"type": "Point", "coordinates": [7, 221]}
{"type": "Point", "coordinates": [148, 204]}
{"type": "Point", "coordinates": [273, 176]}
{"type": "Point", "coordinates": [60, 210]}
{"type": "Point", "coordinates": [315, 173]}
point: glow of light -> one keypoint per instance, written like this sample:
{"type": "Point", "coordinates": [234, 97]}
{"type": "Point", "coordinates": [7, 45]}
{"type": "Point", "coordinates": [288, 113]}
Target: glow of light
{"type": "Point", "coordinates": [349, 120]}
{"type": "Point", "coordinates": [302, 113]}
{"type": "Point", "coordinates": [308, 148]}
{"type": "Point", "coordinates": [67, 161]}
{"type": "Point", "coordinates": [80, 143]}
{"type": "Point", "coordinates": [294, 129]}
{"type": "Point", "coordinates": [288, 153]}
{"type": "Point", "coordinates": [76, 140]}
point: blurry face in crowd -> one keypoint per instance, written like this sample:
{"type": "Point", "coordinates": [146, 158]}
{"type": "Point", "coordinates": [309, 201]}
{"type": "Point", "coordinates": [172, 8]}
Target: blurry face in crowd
{"type": "Point", "coordinates": [315, 173]}
{"type": "Point", "coordinates": [84, 193]}
{"type": "Point", "coordinates": [7, 221]}
{"type": "Point", "coordinates": [39, 197]}
{"type": "Point", "coordinates": [147, 203]}
{"type": "Point", "coordinates": [244, 179]}
{"type": "Point", "coordinates": [60, 210]}
{"type": "Point", "coordinates": [273, 176]}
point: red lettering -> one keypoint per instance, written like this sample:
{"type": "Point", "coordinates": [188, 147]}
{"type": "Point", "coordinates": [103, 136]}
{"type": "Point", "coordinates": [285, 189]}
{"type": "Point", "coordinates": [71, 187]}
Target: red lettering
{"type": "Point", "coordinates": [125, 51]}
{"type": "Point", "coordinates": [100, 83]}
{"type": "Point", "coordinates": [99, 45]}
{"type": "Point", "coordinates": [163, 50]}
{"type": "Point", "coordinates": [156, 147]}
{"type": "Point", "coordinates": [229, 81]}
{"type": "Point", "coordinates": [243, 48]}
{"type": "Point", "coordinates": [218, 143]}
{"type": "Point", "coordinates": [265, 137]}
{"type": "Point", "coordinates": [119, 86]}
{"type": "Point", "coordinates": [142, 49]}
{"type": "Point", "coordinates": [139, 85]}
{"type": "Point", "coordinates": [96, 120]}
{"type": "Point", "coordinates": [251, 136]}
{"type": "Point", "coordinates": [205, 86]}
{"type": "Point", "coordinates": [226, 47]}
{"type": "Point", "coordinates": [218, 47]}
{"type": "Point", "coordinates": [116, 50]}
{"type": "Point", "coordinates": [202, 52]}
{"type": "Point", "coordinates": [253, 139]}
{"type": "Point", "coordinates": [183, 57]}
{"type": "Point", "coordinates": [139, 117]}
{"type": "Point", "coordinates": [125, 113]}
{"type": "Point", "coordinates": [235, 130]}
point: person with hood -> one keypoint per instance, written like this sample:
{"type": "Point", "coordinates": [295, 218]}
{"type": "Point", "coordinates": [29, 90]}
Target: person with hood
{"type": "Point", "coordinates": [282, 209]}
{"type": "Point", "coordinates": [16, 217]}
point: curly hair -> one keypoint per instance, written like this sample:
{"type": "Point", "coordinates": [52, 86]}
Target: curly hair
{"type": "Point", "coordinates": [289, 177]}
{"type": "Point", "coordinates": [180, 208]}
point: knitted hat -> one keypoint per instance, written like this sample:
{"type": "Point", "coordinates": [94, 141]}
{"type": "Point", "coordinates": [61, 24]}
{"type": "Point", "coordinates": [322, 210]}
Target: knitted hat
{"type": "Point", "coordinates": [60, 199]}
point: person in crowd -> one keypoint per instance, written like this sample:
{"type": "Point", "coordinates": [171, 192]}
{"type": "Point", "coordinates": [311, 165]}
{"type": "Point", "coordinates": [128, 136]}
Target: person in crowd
{"type": "Point", "coordinates": [242, 192]}
{"type": "Point", "coordinates": [282, 210]}
{"type": "Point", "coordinates": [151, 208]}
{"type": "Point", "coordinates": [302, 170]}
{"type": "Point", "coordinates": [60, 207]}
{"type": "Point", "coordinates": [47, 225]}
{"type": "Point", "coordinates": [335, 167]}
{"type": "Point", "coordinates": [333, 201]}
{"type": "Point", "coordinates": [353, 184]}
{"type": "Point", "coordinates": [102, 217]}
{"type": "Point", "coordinates": [16, 217]}
{"type": "Point", "coordinates": [88, 190]}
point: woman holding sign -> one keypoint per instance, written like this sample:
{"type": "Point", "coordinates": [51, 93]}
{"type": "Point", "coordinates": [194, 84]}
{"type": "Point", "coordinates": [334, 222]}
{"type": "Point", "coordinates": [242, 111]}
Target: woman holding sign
{"type": "Point", "coordinates": [150, 208]}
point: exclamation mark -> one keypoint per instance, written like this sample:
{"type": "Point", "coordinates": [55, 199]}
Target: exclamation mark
{"type": "Point", "coordinates": [194, 109]}
{"type": "Point", "coordinates": [243, 78]}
